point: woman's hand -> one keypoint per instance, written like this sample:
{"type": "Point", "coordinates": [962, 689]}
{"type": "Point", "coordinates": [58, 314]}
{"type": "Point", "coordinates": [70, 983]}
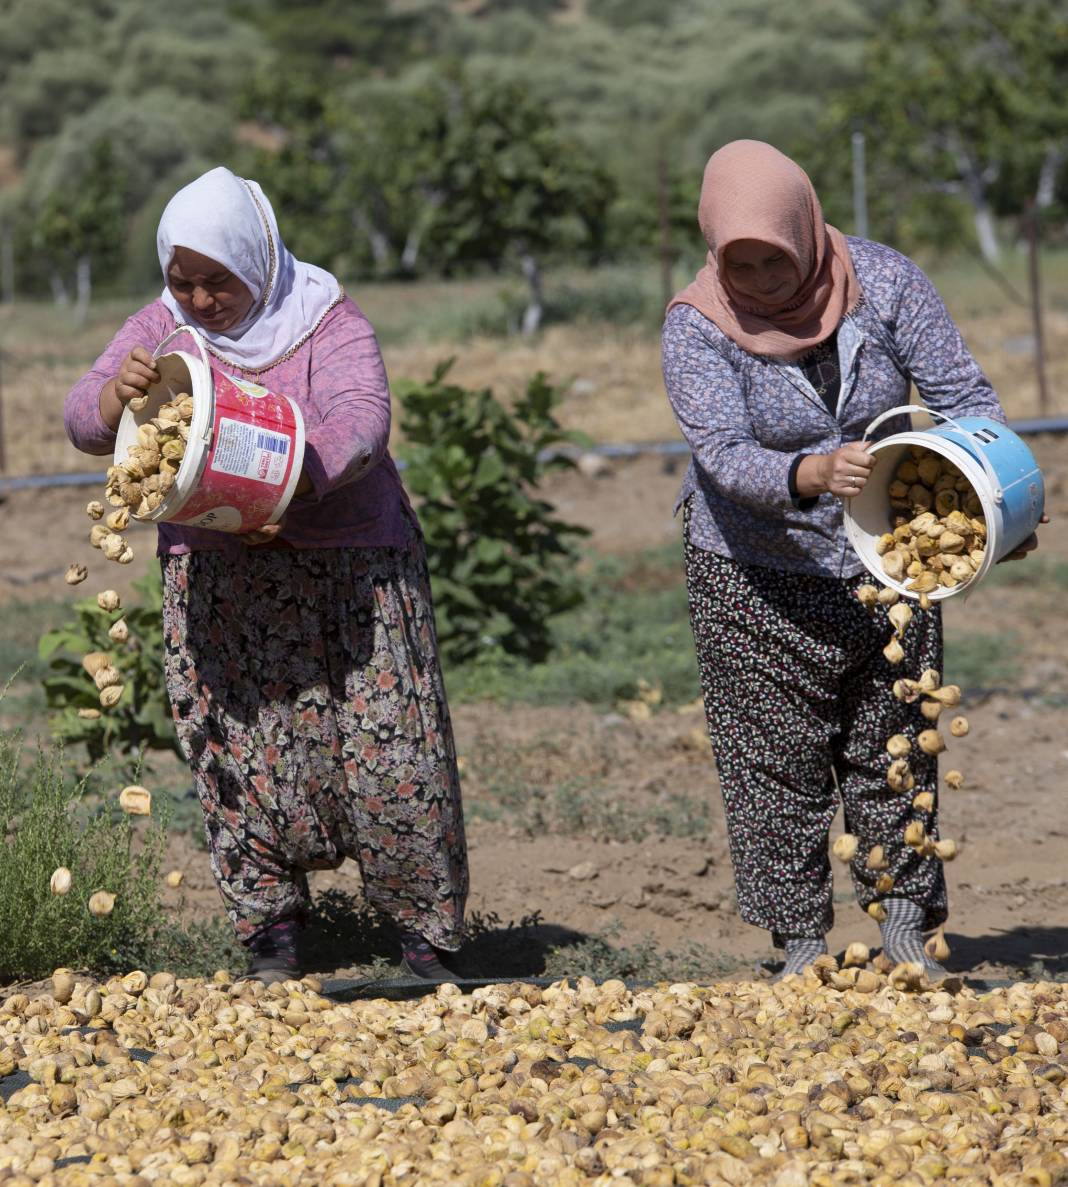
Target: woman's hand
{"type": "Point", "coordinates": [1029, 545]}
{"type": "Point", "coordinates": [270, 530]}
{"type": "Point", "coordinates": [842, 473]}
{"type": "Point", "coordinates": [262, 535]}
{"type": "Point", "coordinates": [137, 373]}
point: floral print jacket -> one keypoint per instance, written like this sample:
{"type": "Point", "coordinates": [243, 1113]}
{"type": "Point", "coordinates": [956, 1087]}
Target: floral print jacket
{"type": "Point", "coordinates": [746, 418]}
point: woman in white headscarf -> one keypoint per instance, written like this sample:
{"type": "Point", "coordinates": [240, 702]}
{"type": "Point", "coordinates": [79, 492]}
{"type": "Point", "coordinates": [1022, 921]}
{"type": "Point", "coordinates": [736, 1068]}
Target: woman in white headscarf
{"type": "Point", "coordinates": [301, 660]}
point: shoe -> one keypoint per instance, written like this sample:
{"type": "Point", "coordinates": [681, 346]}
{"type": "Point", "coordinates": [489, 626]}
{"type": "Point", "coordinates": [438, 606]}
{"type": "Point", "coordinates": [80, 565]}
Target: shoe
{"type": "Point", "coordinates": [270, 969]}
{"type": "Point", "coordinates": [274, 953]}
{"type": "Point", "coordinates": [420, 959]}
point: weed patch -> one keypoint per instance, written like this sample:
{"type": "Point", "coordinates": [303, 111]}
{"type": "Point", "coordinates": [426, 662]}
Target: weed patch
{"type": "Point", "coordinates": [978, 661]}
{"type": "Point", "coordinates": [51, 819]}
{"type": "Point", "coordinates": [632, 625]}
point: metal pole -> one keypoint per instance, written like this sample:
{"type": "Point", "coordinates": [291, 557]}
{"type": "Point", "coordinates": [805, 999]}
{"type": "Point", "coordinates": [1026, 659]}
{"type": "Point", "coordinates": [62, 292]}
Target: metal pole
{"type": "Point", "coordinates": [7, 265]}
{"type": "Point", "coordinates": [1031, 223]}
{"type": "Point", "coordinates": [3, 450]}
{"type": "Point", "coordinates": [860, 188]}
{"type": "Point", "coordinates": [663, 210]}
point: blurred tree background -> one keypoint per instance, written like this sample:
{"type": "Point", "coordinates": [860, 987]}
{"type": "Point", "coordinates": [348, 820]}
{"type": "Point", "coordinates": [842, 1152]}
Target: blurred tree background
{"type": "Point", "coordinates": [415, 138]}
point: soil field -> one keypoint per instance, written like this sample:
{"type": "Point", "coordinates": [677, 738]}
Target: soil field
{"type": "Point", "coordinates": [587, 822]}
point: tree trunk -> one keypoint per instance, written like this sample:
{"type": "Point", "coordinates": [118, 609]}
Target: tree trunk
{"type": "Point", "coordinates": [381, 251]}
{"type": "Point", "coordinates": [410, 252]}
{"type": "Point", "coordinates": [84, 290]}
{"type": "Point", "coordinates": [59, 288]}
{"type": "Point", "coordinates": [1045, 191]}
{"type": "Point", "coordinates": [975, 185]}
{"type": "Point", "coordinates": [535, 309]}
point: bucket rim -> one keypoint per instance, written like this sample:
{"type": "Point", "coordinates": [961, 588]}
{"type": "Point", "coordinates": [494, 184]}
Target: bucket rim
{"type": "Point", "coordinates": [187, 479]}
{"type": "Point", "coordinates": [971, 469]}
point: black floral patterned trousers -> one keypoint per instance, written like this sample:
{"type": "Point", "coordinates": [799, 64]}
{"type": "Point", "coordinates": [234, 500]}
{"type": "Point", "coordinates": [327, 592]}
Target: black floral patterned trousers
{"type": "Point", "coordinates": [799, 706]}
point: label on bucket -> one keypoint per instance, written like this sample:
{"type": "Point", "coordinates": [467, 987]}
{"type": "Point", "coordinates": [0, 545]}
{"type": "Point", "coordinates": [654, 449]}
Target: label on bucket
{"type": "Point", "coordinates": [250, 451]}
{"type": "Point", "coordinates": [254, 445]}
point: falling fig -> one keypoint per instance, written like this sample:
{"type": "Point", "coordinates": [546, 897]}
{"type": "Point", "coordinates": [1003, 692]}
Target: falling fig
{"type": "Point", "coordinates": [900, 616]}
{"type": "Point", "coordinates": [954, 779]}
{"type": "Point", "coordinates": [877, 858]}
{"type": "Point", "coordinates": [867, 595]}
{"type": "Point", "coordinates": [930, 742]}
{"type": "Point", "coordinates": [959, 727]}
{"type": "Point", "coordinates": [135, 800]}
{"type": "Point", "coordinates": [101, 903]}
{"type": "Point", "coordinates": [936, 946]}
{"type": "Point", "coordinates": [899, 776]}
{"type": "Point", "coordinates": [898, 746]}
{"type": "Point", "coordinates": [915, 835]}
{"type": "Point", "coordinates": [95, 660]}
{"type": "Point", "coordinates": [931, 710]}
{"type": "Point", "coordinates": [907, 690]}
{"type": "Point", "coordinates": [845, 847]}
{"type": "Point", "coordinates": [856, 955]}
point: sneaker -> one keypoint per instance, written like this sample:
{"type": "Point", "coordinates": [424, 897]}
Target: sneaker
{"type": "Point", "coordinates": [420, 959]}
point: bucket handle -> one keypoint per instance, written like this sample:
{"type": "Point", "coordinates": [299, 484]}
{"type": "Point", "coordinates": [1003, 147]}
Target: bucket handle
{"type": "Point", "coordinates": [911, 409]}
{"type": "Point", "coordinates": [199, 344]}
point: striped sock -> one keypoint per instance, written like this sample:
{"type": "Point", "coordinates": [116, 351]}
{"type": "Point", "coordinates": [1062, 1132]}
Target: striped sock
{"type": "Point", "coordinates": [903, 936]}
{"type": "Point", "coordinates": [801, 951]}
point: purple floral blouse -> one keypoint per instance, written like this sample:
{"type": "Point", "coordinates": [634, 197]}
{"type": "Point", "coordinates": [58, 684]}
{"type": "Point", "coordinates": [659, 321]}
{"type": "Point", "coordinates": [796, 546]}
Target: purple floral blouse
{"type": "Point", "coordinates": [338, 380]}
{"type": "Point", "coordinates": [746, 418]}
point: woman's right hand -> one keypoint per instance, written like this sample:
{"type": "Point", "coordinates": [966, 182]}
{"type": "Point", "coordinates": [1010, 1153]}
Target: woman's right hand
{"type": "Point", "coordinates": [842, 473]}
{"type": "Point", "coordinates": [137, 372]}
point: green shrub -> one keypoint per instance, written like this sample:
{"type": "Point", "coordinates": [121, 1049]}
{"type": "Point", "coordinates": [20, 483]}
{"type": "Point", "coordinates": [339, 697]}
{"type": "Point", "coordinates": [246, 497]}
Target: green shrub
{"type": "Point", "coordinates": [502, 565]}
{"type": "Point", "coordinates": [142, 718]}
{"type": "Point", "coordinates": [40, 931]}
{"type": "Point", "coordinates": [633, 624]}
{"type": "Point", "coordinates": [50, 819]}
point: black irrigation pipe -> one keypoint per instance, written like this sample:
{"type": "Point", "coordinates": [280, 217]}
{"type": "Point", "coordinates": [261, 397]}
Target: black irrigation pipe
{"type": "Point", "coordinates": [1026, 428]}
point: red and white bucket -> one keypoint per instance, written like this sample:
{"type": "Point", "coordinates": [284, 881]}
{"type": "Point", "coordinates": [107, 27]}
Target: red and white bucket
{"type": "Point", "coordinates": [245, 449]}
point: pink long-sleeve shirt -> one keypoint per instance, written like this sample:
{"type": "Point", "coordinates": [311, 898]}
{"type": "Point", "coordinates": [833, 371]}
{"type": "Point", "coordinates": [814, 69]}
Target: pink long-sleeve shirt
{"type": "Point", "coordinates": [338, 380]}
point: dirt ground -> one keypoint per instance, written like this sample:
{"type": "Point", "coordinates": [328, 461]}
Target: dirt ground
{"type": "Point", "coordinates": [1008, 888]}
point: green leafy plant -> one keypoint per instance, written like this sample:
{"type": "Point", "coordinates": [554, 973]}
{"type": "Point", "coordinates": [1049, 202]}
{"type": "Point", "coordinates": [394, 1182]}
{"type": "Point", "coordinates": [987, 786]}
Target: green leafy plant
{"type": "Point", "coordinates": [502, 564]}
{"type": "Point", "coordinates": [142, 718]}
{"type": "Point", "coordinates": [51, 819]}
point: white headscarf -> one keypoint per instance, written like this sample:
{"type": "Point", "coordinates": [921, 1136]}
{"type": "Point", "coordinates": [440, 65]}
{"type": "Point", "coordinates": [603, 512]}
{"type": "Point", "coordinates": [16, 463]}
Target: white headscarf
{"type": "Point", "coordinates": [230, 220]}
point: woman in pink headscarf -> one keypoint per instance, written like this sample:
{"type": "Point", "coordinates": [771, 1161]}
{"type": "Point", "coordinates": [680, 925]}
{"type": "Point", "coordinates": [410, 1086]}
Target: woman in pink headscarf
{"type": "Point", "coordinates": [301, 660]}
{"type": "Point", "coordinates": [791, 339]}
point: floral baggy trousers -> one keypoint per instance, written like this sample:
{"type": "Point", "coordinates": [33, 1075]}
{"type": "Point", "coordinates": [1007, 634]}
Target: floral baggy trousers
{"type": "Point", "coordinates": [310, 707]}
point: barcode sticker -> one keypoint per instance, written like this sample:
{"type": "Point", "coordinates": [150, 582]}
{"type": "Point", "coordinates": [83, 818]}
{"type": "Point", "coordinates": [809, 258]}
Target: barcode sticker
{"type": "Point", "coordinates": [250, 451]}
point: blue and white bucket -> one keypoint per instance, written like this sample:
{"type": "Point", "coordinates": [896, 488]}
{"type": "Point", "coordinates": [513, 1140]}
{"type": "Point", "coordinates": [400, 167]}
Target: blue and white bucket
{"type": "Point", "coordinates": [1000, 467]}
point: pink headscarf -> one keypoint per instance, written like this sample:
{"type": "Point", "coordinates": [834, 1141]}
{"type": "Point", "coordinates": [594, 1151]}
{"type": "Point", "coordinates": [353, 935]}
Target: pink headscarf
{"type": "Point", "coordinates": [752, 191]}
